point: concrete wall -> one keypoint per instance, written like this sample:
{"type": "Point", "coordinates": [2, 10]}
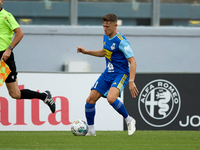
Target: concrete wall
{"type": "Point", "coordinates": [90, 13]}
{"type": "Point", "coordinates": [156, 49]}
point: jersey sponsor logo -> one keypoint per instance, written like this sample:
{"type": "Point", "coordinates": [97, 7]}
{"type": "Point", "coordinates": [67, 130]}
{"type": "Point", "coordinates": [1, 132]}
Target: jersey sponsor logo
{"type": "Point", "coordinates": [159, 103]}
{"type": "Point", "coordinates": [108, 54]}
{"type": "Point", "coordinates": [113, 46]}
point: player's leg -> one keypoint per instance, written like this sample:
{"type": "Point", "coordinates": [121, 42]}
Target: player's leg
{"type": "Point", "coordinates": [113, 94]}
{"type": "Point", "coordinates": [99, 89]}
{"type": "Point", "coordinates": [90, 111]}
{"type": "Point", "coordinates": [90, 106]}
{"type": "Point", "coordinates": [120, 108]}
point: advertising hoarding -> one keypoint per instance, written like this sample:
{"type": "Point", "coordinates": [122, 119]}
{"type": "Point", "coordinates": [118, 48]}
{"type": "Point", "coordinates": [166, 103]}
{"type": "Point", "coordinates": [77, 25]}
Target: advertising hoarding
{"type": "Point", "coordinates": [165, 102]}
{"type": "Point", "coordinates": [70, 92]}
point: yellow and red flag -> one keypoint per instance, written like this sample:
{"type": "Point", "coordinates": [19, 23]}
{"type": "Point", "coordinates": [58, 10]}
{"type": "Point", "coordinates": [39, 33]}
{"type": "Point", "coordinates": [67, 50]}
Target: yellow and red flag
{"type": "Point", "coordinates": [4, 72]}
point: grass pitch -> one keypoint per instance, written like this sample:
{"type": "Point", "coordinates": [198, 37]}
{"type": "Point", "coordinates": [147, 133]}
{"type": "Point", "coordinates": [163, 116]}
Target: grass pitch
{"type": "Point", "coordinates": [105, 140]}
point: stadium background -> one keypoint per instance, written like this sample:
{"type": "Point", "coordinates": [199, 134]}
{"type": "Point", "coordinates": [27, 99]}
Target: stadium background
{"type": "Point", "coordinates": [164, 38]}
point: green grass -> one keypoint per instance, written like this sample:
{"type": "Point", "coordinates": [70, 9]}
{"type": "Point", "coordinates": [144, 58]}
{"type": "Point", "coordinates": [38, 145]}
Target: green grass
{"type": "Point", "coordinates": [105, 140]}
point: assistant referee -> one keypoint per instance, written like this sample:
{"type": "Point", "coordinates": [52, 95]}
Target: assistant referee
{"type": "Point", "coordinates": [8, 25]}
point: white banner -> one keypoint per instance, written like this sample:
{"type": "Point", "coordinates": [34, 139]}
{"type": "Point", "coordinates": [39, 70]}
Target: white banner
{"type": "Point", "coordinates": [70, 92]}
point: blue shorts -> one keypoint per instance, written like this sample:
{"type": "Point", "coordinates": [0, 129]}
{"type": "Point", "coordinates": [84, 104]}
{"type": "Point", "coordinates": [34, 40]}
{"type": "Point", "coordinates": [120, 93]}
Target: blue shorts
{"type": "Point", "coordinates": [104, 83]}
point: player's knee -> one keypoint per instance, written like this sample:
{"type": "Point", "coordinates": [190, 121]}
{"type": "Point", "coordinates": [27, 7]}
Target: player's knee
{"type": "Point", "coordinates": [111, 99]}
{"type": "Point", "coordinates": [90, 100]}
{"type": "Point", "coordinates": [15, 95]}
{"type": "Point", "coordinates": [93, 97]}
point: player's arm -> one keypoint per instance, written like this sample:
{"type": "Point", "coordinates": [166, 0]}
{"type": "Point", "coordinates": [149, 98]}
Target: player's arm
{"type": "Point", "coordinates": [17, 38]}
{"type": "Point", "coordinates": [132, 87]}
{"type": "Point", "coordinates": [97, 53]}
{"type": "Point", "coordinates": [126, 49]}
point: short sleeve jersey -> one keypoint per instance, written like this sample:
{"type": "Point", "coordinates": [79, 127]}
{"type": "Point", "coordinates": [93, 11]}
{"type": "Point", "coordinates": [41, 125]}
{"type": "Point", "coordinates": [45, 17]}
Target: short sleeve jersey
{"type": "Point", "coordinates": [117, 50]}
{"type": "Point", "coordinates": [7, 25]}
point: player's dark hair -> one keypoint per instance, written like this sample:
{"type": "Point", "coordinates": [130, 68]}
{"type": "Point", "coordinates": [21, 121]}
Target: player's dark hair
{"type": "Point", "coordinates": [109, 17]}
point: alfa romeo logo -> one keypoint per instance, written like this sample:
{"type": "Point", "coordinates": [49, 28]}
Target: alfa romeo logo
{"type": "Point", "coordinates": [159, 103]}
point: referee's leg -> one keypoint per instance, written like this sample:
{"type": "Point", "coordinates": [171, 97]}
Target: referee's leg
{"type": "Point", "coordinates": [13, 90]}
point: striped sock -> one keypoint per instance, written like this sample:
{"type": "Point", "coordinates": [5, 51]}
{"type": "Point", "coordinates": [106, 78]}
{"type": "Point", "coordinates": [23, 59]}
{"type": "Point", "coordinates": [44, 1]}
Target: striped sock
{"type": "Point", "coordinates": [119, 107]}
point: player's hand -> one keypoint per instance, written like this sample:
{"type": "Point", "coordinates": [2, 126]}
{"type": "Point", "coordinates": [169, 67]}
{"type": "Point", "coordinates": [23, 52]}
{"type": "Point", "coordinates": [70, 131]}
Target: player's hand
{"type": "Point", "coordinates": [81, 50]}
{"type": "Point", "coordinates": [133, 89]}
{"type": "Point", "coordinates": [6, 55]}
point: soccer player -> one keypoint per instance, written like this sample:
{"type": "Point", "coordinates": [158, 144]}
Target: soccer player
{"type": "Point", "coordinates": [8, 24]}
{"type": "Point", "coordinates": [118, 54]}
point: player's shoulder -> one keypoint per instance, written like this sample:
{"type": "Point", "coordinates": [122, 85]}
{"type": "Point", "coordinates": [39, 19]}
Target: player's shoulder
{"type": "Point", "coordinates": [124, 42]}
{"type": "Point", "coordinates": [120, 36]}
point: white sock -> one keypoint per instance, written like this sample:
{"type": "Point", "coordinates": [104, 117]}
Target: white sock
{"type": "Point", "coordinates": [91, 128]}
{"type": "Point", "coordinates": [128, 119]}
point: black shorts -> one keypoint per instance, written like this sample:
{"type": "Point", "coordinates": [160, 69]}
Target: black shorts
{"type": "Point", "coordinates": [11, 63]}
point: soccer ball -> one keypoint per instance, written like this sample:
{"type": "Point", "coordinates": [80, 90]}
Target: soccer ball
{"type": "Point", "coordinates": [79, 128]}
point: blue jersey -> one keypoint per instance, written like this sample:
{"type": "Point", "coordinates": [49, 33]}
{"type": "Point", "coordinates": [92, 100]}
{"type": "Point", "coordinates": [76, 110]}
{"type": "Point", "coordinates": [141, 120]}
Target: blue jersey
{"type": "Point", "coordinates": [117, 51]}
